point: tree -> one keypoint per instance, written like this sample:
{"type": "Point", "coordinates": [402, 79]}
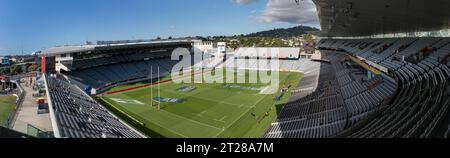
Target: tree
{"type": "Point", "coordinates": [16, 69]}
{"type": "Point", "coordinates": [308, 38]}
{"type": "Point", "coordinates": [5, 71]}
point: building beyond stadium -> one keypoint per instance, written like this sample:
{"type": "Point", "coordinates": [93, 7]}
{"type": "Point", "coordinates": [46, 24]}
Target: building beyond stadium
{"type": "Point", "coordinates": [386, 76]}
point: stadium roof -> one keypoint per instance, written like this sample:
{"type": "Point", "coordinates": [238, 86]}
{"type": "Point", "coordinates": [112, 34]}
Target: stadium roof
{"type": "Point", "coordinates": [84, 48]}
{"type": "Point", "coordinates": [345, 18]}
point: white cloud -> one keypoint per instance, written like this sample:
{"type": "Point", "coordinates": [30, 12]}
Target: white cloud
{"type": "Point", "coordinates": [288, 11]}
{"type": "Point", "coordinates": [244, 1]}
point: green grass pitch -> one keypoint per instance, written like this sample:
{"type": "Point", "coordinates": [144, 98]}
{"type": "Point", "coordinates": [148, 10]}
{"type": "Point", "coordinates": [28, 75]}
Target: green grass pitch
{"type": "Point", "coordinates": [7, 104]}
{"type": "Point", "coordinates": [208, 111]}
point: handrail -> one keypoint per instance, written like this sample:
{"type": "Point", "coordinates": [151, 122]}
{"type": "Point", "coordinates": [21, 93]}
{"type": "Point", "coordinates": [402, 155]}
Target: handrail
{"type": "Point", "coordinates": [21, 95]}
{"type": "Point", "coordinates": [55, 126]}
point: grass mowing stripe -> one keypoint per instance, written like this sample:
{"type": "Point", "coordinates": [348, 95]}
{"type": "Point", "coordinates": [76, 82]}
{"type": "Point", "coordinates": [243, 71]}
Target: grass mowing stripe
{"type": "Point", "coordinates": [207, 100]}
{"type": "Point", "coordinates": [193, 96]}
{"type": "Point", "coordinates": [122, 89]}
{"type": "Point", "coordinates": [246, 112]}
{"type": "Point", "coordinates": [155, 122]}
{"type": "Point", "coordinates": [210, 111]}
{"type": "Point", "coordinates": [191, 120]}
{"type": "Point", "coordinates": [181, 117]}
{"type": "Point", "coordinates": [204, 124]}
{"type": "Point", "coordinates": [122, 112]}
{"type": "Point", "coordinates": [7, 105]}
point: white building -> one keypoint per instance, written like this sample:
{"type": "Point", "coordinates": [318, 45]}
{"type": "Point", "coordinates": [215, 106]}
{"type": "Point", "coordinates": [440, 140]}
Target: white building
{"type": "Point", "coordinates": [221, 47]}
{"type": "Point", "coordinates": [268, 52]}
{"type": "Point", "coordinates": [203, 46]}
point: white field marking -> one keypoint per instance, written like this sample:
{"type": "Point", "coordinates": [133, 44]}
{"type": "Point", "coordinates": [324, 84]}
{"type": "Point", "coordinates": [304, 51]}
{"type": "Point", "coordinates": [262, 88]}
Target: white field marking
{"type": "Point", "coordinates": [249, 107]}
{"type": "Point", "coordinates": [219, 120]}
{"type": "Point", "coordinates": [203, 124]}
{"type": "Point", "coordinates": [254, 105]}
{"type": "Point", "coordinates": [123, 95]}
{"type": "Point", "coordinates": [222, 119]}
{"type": "Point", "coordinates": [120, 110]}
{"type": "Point", "coordinates": [166, 112]}
{"type": "Point", "coordinates": [192, 95]}
{"type": "Point", "coordinates": [198, 115]}
{"type": "Point", "coordinates": [264, 89]}
{"type": "Point", "coordinates": [155, 85]}
{"type": "Point", "coordinates": [154, 122]}
{"type": "Point", "coordinates": [181, 117]}
{"type": "Point", "coordinates": [222, 129]}
{"type": "Point", "coordinates": [267, 89]}
{"type": "Point", "coordinates": [127, 101]}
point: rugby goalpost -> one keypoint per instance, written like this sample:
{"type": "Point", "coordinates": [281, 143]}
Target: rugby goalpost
{"type": "Point", "coordinates": [159, 88]}
{"type": "Point", "coordinates": [151, 90]}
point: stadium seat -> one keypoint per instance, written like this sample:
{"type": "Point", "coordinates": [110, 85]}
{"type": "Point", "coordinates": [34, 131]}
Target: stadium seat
{"type": "Point", "coordinates": [79, 116]}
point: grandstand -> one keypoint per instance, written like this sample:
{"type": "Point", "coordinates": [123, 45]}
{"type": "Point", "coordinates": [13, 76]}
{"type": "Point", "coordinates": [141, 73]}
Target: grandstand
{"type": "Point", "coordinates": [340, 97]}
{"type": "Point", "coordinates": [406, 94]}
{"type": "Point", "coordinates": [81, 71]}
{"type": "Point", "coordinates": [100, 67]}
{"type": "Point", "coordinates": [401, 97]}
{"type": "Point", "coordinates": [372, 78]}
{"type": "Point", "coordinates": [420, 107]}
{"type": "Point", "coordinates": [76, 115]}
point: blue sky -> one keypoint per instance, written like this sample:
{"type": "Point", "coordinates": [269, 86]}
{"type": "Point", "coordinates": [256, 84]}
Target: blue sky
{"type": "Point", "coordinates": [31, 25]}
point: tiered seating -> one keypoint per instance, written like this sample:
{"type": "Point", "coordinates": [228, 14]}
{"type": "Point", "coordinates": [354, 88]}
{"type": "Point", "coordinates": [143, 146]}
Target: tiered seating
{"type": "Point", "coordinates": [395, 62]}
{"type": "Point", "coordinates": [79, 116]}
{"type": "Point", "coordinates": [339, 103]}
{"type": "Point", "coordinates": [83, 63]}
{"type": "Point", "coordinates": [420, 108]}
{"type": "Point", "coordinates": [388, 52]}
{"type": "Point", "coordinates": [302, 65]}
{"type": "Point", "coordinates": [318, 114]}
{"type": "Point", "coordinates": [102, 77]}
{"type": "Point", "coordinates": [362, 99]}
{"type": "Point", "coordinates": [397, 46]}
{"type": "Point", "coordinates": [416, 46]}
{"type": "Point", "coordinates": [442, 52]}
